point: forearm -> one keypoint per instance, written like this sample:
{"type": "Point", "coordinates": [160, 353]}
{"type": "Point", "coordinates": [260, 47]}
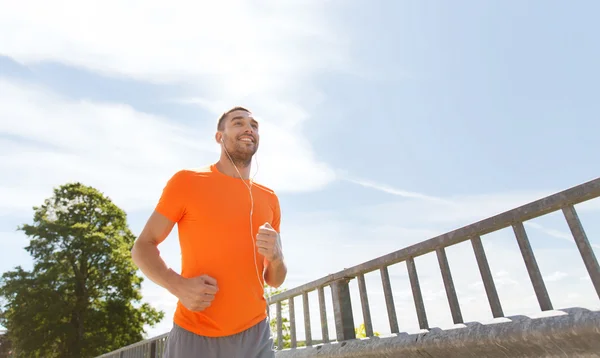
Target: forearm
{"type": "Point", "coordinates": [275, 272]}
{"type": "Point", "coordinates": [147, 257]}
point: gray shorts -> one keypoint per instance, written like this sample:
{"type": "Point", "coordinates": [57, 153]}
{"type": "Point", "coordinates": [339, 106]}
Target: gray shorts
{"type": "Point", "coordinates": [255, 342]}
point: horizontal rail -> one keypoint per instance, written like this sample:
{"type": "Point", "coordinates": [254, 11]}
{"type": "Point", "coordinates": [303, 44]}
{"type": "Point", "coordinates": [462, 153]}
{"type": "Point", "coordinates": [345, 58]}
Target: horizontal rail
{"type": "Point", "coordinates": [571, 196]}
{"type": "Point", "coordinates": [126, 352]}
{"type": "Point", "coordinates": [574, 334]}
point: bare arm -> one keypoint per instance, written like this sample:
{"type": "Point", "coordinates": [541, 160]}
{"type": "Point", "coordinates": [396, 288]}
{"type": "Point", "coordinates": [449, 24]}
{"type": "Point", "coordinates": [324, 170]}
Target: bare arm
{"type": "Point", "coordinates": [275, 272]}
{"type": "Point", "coordinates": [146, 256]}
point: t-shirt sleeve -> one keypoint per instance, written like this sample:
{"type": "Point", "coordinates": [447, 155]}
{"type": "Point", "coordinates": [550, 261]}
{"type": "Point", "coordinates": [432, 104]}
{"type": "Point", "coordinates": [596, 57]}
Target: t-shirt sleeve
{"type": "Point", "coordinates": [276, 214]}
{"type": "Point", "coordinates": [172, 200]}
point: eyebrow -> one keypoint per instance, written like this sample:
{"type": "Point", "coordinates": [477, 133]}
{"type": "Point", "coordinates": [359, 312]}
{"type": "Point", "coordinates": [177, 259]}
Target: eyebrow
{"type": "Point", "coordinates": [242, 117]}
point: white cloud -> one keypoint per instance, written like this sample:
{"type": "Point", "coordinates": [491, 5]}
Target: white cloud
{"type": "Point", "coordinates": [48, 140]}
{"type": "Point", "coordinates": [173, 41]}
{"type": "Point", "coordinates": [389, 189]}
{"type": "Point", "coordinates": [263, 54]}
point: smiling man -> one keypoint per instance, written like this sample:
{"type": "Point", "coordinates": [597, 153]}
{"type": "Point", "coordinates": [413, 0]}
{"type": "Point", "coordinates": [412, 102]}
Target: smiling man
{"type": "Point", "coordinates": [228, 229]}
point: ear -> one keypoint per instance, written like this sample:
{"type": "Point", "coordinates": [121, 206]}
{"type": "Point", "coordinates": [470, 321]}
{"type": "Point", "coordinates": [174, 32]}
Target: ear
{"type": "Point", "coordinates": [218, 137]}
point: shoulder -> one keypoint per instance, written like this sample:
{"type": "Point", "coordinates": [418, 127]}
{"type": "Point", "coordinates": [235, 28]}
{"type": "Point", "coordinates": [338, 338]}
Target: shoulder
{"type": "Point", "coordinates": [268, 191]}
{"type": "Point", "coordinates": [264, 188]}
{"type": "Point", "coordinates": [186, 175]}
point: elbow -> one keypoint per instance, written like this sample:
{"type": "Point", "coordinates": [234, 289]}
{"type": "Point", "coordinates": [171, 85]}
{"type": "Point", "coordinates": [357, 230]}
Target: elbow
{"type": "Point", "coordinates": [276, 282]}
{"type": "Point", "coordinates": [142, 248]}
{"type": "Point", "coordinates": [134, 252]}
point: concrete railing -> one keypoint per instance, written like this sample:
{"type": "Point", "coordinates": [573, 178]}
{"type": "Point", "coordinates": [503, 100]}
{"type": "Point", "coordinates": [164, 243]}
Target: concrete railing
{"type": "Point", "coordinates": [575, 330]}
{"type": "Point", "coordinates": [149, 348]}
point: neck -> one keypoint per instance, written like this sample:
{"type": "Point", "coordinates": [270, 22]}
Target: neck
{"type": "Point", "coordinates": [225, 166]}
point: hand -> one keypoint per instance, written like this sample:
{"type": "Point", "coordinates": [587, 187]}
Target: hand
{"type": "Point", "coordinates": [197, 293]}
{"type": "Point", "coordinates": [269, 243]}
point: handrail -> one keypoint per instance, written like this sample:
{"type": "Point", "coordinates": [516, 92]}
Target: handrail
{"type": "Point", "coordinates": [571, 196]}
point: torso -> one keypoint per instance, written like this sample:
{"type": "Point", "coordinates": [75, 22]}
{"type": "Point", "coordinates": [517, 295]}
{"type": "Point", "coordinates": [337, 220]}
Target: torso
{"type": "Point", "coordinates": [216, 239]}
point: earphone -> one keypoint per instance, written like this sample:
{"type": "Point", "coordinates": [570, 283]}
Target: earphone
{"type": "Point", "coordinates": [249, 186]}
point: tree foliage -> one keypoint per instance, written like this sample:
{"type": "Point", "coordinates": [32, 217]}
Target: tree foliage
{"type": "Point", "coordinates": [361, 332]}
{"type": "Point", "coordinates": [5, 345]}
{"type": "Point", "coordinates": [82, 298]}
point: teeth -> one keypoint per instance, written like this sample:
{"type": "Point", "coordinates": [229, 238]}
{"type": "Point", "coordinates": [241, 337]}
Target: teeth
{"type": "Point", "coordinates": [246, 139]}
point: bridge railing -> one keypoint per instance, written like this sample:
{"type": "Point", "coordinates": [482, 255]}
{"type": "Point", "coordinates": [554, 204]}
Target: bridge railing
{"type": "Point", "coordinates": [564, 201]}
{"type": "Point", "coordinates": [338, 282]}
{"type": "Point", "coordinates": [149, 348]}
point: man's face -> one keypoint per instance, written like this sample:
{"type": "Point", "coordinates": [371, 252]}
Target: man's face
{"type": "Point", "coordinates": [240, 136]}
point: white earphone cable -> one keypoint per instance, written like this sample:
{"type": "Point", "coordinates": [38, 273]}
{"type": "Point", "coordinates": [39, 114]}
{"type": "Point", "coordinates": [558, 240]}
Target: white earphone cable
{"type": "Point", "coordinates": [249, 186]}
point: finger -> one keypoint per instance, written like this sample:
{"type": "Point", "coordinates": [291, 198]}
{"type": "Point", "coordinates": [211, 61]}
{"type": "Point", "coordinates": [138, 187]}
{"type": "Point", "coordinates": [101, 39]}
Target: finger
{"type": "Point", "coordinates": [201, 307]}
{"type": "Point", "coordinates": [266, 225]}
{"type": "Point", "coordinates": [267, 248]}
{"type": "Point", "coordinates": [208, 297]}
{"type": "Point", "coordinates": [209, 280]}
{"type": "Point", "coordinates": [210, 289]}
{"type": "Point", "coordinates": [269, 232]}
{"type": "Point", "coordinates": [198, 307]}
{"type": "Point", "coordinates": [264, 243]}
{"type": "Point", "coordinates": [269, 241]}
{"type": "Point", "coordinates": [263, 251]}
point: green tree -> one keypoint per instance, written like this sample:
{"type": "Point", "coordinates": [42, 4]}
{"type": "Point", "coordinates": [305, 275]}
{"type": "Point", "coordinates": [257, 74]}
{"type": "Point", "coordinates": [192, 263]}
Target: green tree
{"type": "Point", "coordinates": [82, 298]}
{"type": "Point", "coordinates": [5, 345]}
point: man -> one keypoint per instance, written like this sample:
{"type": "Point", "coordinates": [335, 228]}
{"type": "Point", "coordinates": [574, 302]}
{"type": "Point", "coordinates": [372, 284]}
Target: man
{"type": "Point", "coordinates": [230, 246]}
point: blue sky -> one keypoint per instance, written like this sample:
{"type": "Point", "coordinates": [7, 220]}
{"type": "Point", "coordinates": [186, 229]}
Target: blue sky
{"type": "Point", "coordinates": [383, 124]}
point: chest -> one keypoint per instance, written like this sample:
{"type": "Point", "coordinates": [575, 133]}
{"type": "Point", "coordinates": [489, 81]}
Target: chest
{"type": "Point", "coordinates": [228, 206]}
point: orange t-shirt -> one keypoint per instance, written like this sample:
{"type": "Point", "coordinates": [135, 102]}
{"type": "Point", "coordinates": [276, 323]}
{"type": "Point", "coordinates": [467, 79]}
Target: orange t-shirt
{"type": "Point", "coordinates": [212, 212]}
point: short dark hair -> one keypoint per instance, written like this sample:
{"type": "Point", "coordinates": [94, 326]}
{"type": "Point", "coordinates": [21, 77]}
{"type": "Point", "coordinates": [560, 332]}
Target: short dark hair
{"type": "Point", "coordinates": [220, 125]}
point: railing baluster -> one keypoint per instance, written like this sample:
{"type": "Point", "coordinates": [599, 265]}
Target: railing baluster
{"type": "Point", "coordinates": [583, 244]}
{"type": "Point", "coordinates": [364, 301]}
{"type": "Point", "coordinates": [323, 310]}
{"type": "Point", "coordinates": [532, 267]}
{"type": "Point", "coordinates": [292, 323]}
{"type": "Point", "coordinates": [307, 330]}
{"type": "Point", "coordinates": [279, 327]}
{"type": "Point", "coordinates": [153, 353]}
{"type": "Point", "coordinates": [449, 286]}
{"type": "Point", "coordinates": [486, 276]}
{"type": "Point", "coordinates": [389, 299]}
{"type": "Point", "coordinates": [417, 295]}
{"type": "Point", "coordinates": [342, 310]}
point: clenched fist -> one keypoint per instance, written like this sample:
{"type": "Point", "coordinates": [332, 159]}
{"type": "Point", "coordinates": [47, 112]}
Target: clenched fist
{"type": "Point", "coordinates": [269, 243]}
{"type": "Point", "coordinates": [197, 293]}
